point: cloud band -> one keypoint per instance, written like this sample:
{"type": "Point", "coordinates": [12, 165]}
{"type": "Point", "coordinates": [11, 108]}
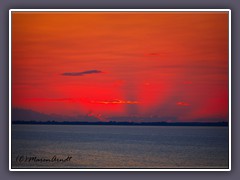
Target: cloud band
{"type": "Point", "coordinates": [81, 73]}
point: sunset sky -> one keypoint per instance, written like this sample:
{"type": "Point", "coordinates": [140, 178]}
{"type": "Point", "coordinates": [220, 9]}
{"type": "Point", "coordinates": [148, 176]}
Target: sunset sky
{"type": "Point", "coordinates": [121, 64]}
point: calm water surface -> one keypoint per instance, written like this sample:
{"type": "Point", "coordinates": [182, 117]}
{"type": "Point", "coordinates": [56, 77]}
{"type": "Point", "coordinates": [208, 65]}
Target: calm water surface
{"type": "Point", "coordinates": [120, 146]}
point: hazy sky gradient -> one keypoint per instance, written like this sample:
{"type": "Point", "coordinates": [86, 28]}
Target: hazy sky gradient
{"type": "Point", "coordinates": [120, 64]}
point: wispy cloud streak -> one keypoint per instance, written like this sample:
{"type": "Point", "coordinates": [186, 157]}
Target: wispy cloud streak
{"type": "Point", "coordinates": [81, 73]}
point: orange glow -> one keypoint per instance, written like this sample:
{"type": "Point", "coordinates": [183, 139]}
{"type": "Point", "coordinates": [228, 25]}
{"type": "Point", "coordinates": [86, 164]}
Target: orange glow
{"type": "Point", "coordinates": [182, 104]}
{"type": "Point", "coordinates": [114, 101]}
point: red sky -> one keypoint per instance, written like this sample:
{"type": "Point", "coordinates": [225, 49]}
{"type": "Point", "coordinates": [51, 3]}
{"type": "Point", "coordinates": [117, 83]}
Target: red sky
{"type": "Point", "coordinates": [120, 64]}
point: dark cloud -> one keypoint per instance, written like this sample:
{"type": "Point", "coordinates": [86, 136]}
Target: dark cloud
{"type": "Point", "coordinates": [81, 73]}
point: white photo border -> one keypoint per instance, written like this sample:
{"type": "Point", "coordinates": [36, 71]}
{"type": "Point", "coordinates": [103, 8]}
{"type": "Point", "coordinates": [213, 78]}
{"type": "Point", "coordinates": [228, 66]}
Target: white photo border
{"type": "Point", "coordinates": [119, 10]}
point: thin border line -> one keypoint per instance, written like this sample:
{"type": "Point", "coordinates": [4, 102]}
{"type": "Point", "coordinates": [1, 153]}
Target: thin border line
{"type": "Point", "coordinates": [10, 89]}
{"type": "Point", "coordinates": [120, 10]}
{"type": "Point", "coordinates": [229, 86]}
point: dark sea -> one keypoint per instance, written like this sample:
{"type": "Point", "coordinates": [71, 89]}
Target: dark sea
{"type": "Point", "coordinates": [96, 146]}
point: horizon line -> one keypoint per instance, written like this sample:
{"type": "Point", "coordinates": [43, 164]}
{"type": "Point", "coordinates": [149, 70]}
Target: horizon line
{"type": "Point", "coordinates": [163, 123]}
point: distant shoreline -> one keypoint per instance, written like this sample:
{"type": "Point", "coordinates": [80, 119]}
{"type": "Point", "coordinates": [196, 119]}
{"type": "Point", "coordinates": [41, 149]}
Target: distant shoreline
{"type": "Point", "coordinates": [113, 123]}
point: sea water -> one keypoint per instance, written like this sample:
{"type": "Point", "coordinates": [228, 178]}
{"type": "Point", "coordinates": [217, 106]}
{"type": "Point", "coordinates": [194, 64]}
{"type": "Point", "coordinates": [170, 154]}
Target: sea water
{"type": "Point", "coordinates": [97, 146]}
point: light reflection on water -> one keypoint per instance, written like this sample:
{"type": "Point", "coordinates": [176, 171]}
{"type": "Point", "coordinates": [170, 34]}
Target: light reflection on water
{"type": "Point", "coordinates": [121, 146]}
